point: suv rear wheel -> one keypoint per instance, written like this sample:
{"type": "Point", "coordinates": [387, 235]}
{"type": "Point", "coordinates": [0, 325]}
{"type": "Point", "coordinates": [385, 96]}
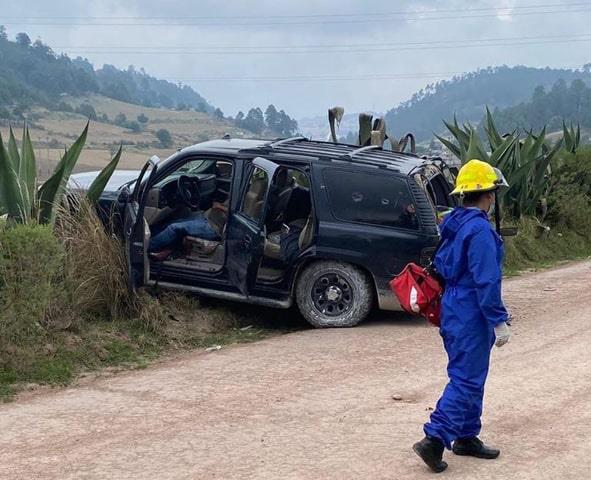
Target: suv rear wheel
{"type": "Point", "coordinates": [334, 294]}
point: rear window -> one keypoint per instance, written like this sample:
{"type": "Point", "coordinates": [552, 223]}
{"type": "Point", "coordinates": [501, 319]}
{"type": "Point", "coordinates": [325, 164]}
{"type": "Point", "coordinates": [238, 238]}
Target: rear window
{"type": "Point", "coordinates": [370, 198]}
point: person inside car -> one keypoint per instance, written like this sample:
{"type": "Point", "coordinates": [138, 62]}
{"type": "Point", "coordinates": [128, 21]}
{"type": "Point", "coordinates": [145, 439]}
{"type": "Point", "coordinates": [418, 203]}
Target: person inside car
{"type": "Point", "coordinates": [199, 226]}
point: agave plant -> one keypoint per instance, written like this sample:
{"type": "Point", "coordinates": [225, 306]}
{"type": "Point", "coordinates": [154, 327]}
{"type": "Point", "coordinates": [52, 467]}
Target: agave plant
{"type": "Point", "coordinates": [21, 199]}
{"type": "Point", "coordinates": [525, 161]}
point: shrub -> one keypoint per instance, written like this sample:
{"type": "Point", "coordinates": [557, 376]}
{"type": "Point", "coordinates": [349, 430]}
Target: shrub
{"type": "Point", "coordinates": [120, 119]}
{"type": "Point", "coordinates": [164, 138]}
{"type": "Point", "coordinates": [87, 110]}
{"type": "Point", "coordinates": [134, 126]}
{"type": "Point", "coordinates": [142, 118]}
{"type": "Point", "coordinates": [30, 264]}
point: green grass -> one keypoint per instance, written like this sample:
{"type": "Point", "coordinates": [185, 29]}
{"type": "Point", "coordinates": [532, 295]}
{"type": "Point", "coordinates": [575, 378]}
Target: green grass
{"type": "Point", "coordinates": [93, 345]}
{"type": "Point", "coordinates": [531, 249]}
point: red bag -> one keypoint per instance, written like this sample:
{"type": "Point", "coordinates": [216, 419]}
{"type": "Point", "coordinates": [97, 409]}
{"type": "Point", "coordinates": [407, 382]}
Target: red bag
{"type": "Point", "coordinates": [418, 292]}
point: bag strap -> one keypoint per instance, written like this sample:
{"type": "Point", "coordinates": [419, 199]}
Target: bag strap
{"type": "Point", "coordinates": [437, 247]}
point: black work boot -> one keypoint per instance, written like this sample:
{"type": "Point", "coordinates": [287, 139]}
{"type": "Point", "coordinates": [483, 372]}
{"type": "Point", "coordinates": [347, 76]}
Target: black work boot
{"type": "Point", "coordinates": [431, 451]}
{"type": "Point", "coordinates": [473, 447]}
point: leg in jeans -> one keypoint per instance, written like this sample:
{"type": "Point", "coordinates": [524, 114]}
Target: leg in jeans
{"type": "Point", "coordinates": [173, 233]}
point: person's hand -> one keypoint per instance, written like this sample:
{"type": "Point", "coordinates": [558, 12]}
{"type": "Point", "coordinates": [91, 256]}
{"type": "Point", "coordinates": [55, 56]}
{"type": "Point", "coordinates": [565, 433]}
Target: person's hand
{"type": "Point", "coordinates": [502, 333]}
{"type": "Point", "coordinates": [219, 206]}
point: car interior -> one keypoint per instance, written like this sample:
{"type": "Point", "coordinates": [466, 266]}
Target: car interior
{"type": "Point", "coordinates": [199, 188]}
{"type": "Point", "coordinates": [289, 223]}
{"type": "Point", "coordinates": [436, 184]}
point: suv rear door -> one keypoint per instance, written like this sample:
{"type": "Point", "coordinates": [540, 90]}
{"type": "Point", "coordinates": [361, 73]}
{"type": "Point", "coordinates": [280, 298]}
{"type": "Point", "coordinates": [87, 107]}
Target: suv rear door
{"type": "Point", "coordinates": [245, 240]}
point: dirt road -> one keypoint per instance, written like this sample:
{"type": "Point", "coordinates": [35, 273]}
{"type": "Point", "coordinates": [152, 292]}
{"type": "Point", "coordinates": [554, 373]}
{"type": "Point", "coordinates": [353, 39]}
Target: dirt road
{"type": "Point", "coordinates": [319, 404]}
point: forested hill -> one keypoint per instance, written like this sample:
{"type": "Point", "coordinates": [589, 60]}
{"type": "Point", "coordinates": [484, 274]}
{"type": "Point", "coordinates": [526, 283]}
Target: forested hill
{"type": "Point", "coordinates": [468, 95]}
{"type": "Point", "coordinates": [31, 73]}
{"type": "Point", "coordinates": [549, 107]}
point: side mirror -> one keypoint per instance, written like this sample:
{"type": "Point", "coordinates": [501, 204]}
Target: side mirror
{"type": "Point", "coordinates": [509, 231]}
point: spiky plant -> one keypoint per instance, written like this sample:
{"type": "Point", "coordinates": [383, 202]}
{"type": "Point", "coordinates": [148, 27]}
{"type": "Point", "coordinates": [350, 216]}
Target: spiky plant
{"type": "Point", "coordinates": [525, 161]}
{"type": "Point", "coordinates": [20, 197]}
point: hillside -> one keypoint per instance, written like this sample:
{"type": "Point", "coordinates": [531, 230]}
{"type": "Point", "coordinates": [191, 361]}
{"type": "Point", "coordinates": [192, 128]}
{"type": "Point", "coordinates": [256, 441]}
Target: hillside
{"type": "Point", "coordinates": [52, 130]}
{"type": "Point", "coordinates": [468, 95]}
{"type": "Point", "coordinates": [32, 74]}
{"type": "Point", "coordinates": [549, 107]}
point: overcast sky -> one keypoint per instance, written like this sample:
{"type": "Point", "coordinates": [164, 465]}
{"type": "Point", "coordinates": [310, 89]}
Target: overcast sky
{"type": "Point", "coordinates": [407, 43]}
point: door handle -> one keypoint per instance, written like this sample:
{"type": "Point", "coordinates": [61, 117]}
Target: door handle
{"type": "Point", "coordinates": [247, 241]}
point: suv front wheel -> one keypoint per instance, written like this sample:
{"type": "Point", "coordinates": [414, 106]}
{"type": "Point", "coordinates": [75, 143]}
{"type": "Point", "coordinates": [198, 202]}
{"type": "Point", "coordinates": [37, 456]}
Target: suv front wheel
{"type": "Point", "coordinates": [334, 294]}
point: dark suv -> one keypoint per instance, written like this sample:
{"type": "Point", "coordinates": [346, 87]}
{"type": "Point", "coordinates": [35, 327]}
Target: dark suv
{"type": "Point", "coordinates": [320, 224]}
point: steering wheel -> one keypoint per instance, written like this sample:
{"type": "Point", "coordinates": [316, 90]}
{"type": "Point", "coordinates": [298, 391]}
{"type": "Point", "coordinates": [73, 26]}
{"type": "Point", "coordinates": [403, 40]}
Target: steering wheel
{"type": "Point", "coordinates": [188, 188]}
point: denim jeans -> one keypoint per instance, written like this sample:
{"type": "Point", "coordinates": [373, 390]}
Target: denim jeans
{"type": "Point", "coordinates": [197, 226]}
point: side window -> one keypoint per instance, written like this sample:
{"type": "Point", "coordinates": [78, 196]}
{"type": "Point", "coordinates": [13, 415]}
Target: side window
{"type": "Point", "coordinates": [254, 198]}
{"type": "Point", "coordinates": [369, 198]}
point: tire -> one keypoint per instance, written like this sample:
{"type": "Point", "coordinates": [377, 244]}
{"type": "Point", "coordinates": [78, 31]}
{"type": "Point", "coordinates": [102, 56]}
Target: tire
{"type": "Point", "coordinates": [334, 294]}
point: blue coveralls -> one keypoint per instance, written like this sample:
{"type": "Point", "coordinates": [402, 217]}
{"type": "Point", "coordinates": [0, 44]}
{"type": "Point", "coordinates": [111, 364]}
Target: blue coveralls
{"type": "Point", "coordinates": [470, 261]}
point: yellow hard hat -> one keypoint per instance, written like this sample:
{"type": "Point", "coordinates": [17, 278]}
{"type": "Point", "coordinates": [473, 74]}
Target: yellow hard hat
{"type": "Point", "coordinates": [478, 176]}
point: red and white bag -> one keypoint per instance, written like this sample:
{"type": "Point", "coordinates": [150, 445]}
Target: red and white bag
{"type": "Point", "coordinates": [419, 292]}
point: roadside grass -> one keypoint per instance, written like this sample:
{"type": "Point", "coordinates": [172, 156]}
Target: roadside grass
{"type": "Point", "coordinates": [103, 346]}
{"type": "Point", "coordinates": [535, 248]}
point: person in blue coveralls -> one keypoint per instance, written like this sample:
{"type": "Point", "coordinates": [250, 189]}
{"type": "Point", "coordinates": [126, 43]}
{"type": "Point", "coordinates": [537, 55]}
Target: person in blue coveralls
{"type": "Point", "coordinates": [473, 316]}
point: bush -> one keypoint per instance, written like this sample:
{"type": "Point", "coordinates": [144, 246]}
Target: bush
{"type": "Point", "coordinates": [120, 119]}
{"type": "Point", "coordinates": [30, 264]}
{"type": "Point", "coordinates": [164, 138]}
{"type": "Point", "coordinates": [142, 118]}
{"type": "Point", "coordinates": [87, 110]}
{"type": "Point", "coordinates": [134, 126]}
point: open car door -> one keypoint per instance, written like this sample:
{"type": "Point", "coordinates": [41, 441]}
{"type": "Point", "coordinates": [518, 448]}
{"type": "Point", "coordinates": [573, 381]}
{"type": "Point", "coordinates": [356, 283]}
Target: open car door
{"type": "Point", "coordinates": [245, 240]}
{"type": "Point", "coordinates": [135, 228]}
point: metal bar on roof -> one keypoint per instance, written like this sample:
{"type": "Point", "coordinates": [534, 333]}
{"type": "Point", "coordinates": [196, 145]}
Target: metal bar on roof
{"type": "Point", "coordinates": [277, 143]}
{"type": "Point", "coordinates": [361, 150]}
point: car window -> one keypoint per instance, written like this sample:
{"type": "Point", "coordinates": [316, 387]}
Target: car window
{"type": "Point", "coordinates": [253, 201]}
{"type": "Point", "coordinates": [369, 198]}
{"type": "Point", "coordinates": [195, 166]}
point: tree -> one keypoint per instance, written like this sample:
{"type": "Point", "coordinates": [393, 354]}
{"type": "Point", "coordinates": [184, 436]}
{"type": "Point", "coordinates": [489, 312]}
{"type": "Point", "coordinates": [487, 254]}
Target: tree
{"type": "Point", "coordinates": [218, 114]}
{"type": "Point", "coordinates": [142, 118]}
{"type": "Point", "coordinates": [272, 119]}
{"type": "Point", "coordinates": [134, 126]}
{"type": "Point", "coordinates": [201, 107]}
{"type": "Point", "coordinates": [120, 119]}
{"type": "Point", "coordinates": [286, 125]}
{"type": "Point", "coordinates": [164, 138]}
{"type": "Point", "coordinates": [87, 110]}
{"type": "Point", "coordinates": [239, 119]}
{"type": "Point", "coordinates": [23, 39]}
{"type": "Point", "coordinates": [254, 121]}
{"type": "Point", "coordinates": [3, 35]}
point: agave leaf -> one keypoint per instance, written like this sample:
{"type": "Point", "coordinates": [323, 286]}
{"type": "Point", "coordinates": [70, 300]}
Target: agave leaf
{"type": "Point", "coordinates": [475, 148]}
{"type": "Point", "coordinates": [100, 182]}
{"type": "Point", "coordinates": [460, 135]}
{"type": "Point", "coordinates": [452, 147]}
{"type": "Point", "coordinates": [537, 143]}
{"type": "Point", "coordinates": [13, 154]}
{"type": "Point", "coordinates": [335, 115]}
{"type": "Point", "coordinates": [494, 138]}
{"type": "Point", "coordinates": [365, 127]}
{"type": "Point", "coordinates": [11, 195]}
{"type": "Point", "coordinates": [50, 193]}
{"type": "Point", "coordinates": [502, 153]}
{"type": "Point", "coordinates": [29, 165]}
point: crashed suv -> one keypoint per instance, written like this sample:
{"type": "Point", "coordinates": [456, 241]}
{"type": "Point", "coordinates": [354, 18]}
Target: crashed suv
{"type": "Point", "coordinates": [318, 224]}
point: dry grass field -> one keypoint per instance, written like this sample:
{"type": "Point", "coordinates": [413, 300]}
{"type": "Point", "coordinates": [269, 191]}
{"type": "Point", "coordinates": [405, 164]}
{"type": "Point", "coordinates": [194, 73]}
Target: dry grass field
{"type": "Point", "coordinates": [52, 131]}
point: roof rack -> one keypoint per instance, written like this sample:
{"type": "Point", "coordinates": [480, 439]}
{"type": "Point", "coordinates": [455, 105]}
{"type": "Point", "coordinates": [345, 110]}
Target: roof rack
{"type": "Point", "coordinates": [361, 150]}
{"type": "Point", "coordinates": [278, 143]}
